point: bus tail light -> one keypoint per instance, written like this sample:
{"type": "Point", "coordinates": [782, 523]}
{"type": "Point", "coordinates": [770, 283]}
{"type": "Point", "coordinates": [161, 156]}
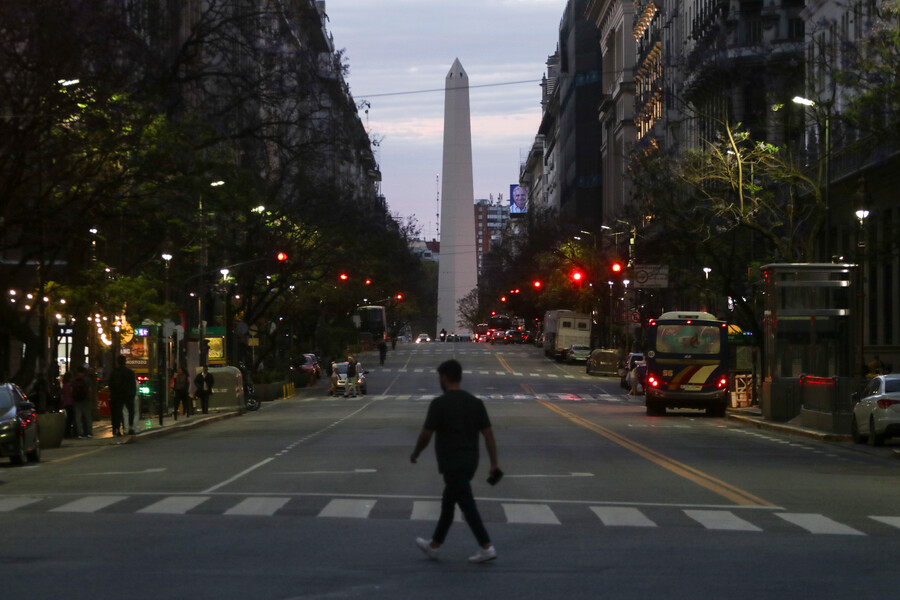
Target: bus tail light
{"type": "Point", "coordinates": [723, 381]}
{"type": "Point", "coordinates": [652, 381]}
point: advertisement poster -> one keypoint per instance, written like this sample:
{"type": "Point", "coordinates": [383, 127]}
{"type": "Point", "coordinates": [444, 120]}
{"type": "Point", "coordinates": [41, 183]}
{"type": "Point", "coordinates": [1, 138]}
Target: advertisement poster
{"type": "Point", "coordinates": [518, 199]}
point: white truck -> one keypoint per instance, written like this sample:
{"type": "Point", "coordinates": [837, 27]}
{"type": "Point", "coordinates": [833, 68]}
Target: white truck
{"type": "Point", "coordinates": [563, 328]}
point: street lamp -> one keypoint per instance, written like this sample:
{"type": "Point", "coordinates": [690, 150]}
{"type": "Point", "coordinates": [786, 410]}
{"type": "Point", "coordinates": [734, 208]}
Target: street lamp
{"type": "Point", "coordinates": [861, 215]}
{"type": "Point", "coordinates": [707, 271]}
{"type": "Point", "coordinates": [827, 165]}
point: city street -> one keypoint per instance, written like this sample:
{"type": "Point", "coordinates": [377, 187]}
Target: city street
{"type": "Point", "coordinates": [315, 497]}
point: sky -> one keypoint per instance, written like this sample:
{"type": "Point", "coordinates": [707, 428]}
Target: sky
{"type": "Point", "coordinates": [401, 46]}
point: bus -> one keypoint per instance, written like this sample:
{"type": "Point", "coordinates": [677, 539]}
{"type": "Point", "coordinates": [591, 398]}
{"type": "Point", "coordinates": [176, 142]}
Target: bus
{"type": "Point", "coordinates": [480, 333]}
{"type": "Point", "coordinates": [687, 363]}
{"type": "Point", "coordinates": [372, 324]}
{"type": "Point", "coordinates": [500, 322]}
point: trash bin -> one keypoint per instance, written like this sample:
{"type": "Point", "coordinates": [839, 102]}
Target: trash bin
{"type": "Point", "coordinates": [228, 389]}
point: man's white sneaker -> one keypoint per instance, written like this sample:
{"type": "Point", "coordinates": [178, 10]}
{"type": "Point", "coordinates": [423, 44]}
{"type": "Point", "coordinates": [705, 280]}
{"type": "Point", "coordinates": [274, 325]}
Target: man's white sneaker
{"type": "Point", "coordinates": [483, 555]}
{"type": "Point", "coordinates": [425, 546]}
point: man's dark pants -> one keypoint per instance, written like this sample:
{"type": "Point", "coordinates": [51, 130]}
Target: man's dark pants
{"type": "Point", "coordinates": [458, 490]}
{"type": "Point", "coordinates": [204, 401]}
{"type": "Point", "coordinates": [117, 416]}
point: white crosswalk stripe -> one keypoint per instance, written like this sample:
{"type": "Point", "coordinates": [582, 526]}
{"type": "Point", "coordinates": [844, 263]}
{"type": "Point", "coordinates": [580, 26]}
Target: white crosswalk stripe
{"type": "Point", "coordinates": [10, 504]}
{"type": "Point", "coordinates": [429, 510]}
{"type": "Point", "coordinates": [892, 521]}
{"type": "Point", "coordinates": [622, 516]}
{"type": "Point", "coordinates": [89, 504]}
{"type": "Point", "coordinates": [174, 505]}
{"type": "Point", "coordinates": [257, 506]}
{"type": "Point", "coordinates": [818, 524]}
{"type": "Point", "coordinates": [721, 519]}
{"type": "Point", "coordinates": [536, 514]}
{"type": "Point", "coordinates": [353, 509]}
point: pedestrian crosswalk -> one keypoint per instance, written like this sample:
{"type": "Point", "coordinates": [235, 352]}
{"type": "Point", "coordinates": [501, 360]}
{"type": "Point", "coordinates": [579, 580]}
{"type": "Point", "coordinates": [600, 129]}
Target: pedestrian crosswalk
{"type": "Point", "coordinates": [556, 397]}
{"type": "Point", "coordinates": [542, 373]}
{"type": "Point", "coordinates": [519, 512]}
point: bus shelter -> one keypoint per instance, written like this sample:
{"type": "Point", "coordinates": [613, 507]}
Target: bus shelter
{"type": "Point", "coordinates": [809, 327]}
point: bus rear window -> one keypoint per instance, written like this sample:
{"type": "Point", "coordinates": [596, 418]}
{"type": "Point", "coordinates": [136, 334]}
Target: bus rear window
{"type": "Point", "coordinates": [688, 339]}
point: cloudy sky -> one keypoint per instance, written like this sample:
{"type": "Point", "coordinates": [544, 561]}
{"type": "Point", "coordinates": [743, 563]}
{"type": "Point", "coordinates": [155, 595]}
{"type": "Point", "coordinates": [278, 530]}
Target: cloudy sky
{"type": "Point", "coordinates": [401, 46]}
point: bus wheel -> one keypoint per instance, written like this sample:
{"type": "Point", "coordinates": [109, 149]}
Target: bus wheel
{"type": "Point", "coordinates": [655, 410]}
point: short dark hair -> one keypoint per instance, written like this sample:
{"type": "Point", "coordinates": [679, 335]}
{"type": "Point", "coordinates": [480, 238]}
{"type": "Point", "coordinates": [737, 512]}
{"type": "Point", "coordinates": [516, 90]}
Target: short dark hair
{"type": "Point", "coordinates": [451, 369]}
{"type": "Point", "coordinates": [121, 360]}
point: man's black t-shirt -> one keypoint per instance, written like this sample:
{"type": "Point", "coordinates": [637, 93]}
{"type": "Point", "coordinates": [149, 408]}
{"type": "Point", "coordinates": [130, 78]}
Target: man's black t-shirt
{"type": "Point", "coordinates": [456, 417]}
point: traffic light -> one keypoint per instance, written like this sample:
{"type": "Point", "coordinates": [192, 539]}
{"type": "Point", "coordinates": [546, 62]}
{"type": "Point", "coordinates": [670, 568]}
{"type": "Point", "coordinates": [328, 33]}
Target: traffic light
{"type": "Point", "coordinates": [368, 281]}
{"type": "Point", "coordinates": [577, 276]}
{"type": "Point", "coordinates": [616, 267]}
{"type": "Point", "coordinates": [399, 296]}
{"type": "Point", "coordinates": [344, 277]}
{"type": "Point", "coordinates": [537, 284]}
{"type": "Point", "coordinates": [281, 257]}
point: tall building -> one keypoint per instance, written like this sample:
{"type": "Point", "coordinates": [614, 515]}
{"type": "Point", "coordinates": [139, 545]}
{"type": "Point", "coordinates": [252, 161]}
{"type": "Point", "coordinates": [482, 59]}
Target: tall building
{"type": "Point", "coordinates": [490, 219]}
{"type": "Point", "coordinates": [457, 274]}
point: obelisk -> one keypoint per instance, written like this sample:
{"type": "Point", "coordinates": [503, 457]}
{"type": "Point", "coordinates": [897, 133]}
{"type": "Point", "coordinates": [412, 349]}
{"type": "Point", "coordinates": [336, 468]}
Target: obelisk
{"type": "Point", "coordinates": [458, 267]}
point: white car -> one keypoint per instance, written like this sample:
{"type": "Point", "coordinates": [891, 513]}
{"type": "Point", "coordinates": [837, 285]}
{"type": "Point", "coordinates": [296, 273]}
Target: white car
{"type": "Point", "coordinates": [423, 337]}
{"type": "Point", "coordinates": [876, 415]}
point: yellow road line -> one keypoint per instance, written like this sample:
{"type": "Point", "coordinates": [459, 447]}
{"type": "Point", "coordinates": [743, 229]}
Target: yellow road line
{"type": "Point", "coordinates": [504, 363]}
{"type": "Point", "coordinates": [717, 486]}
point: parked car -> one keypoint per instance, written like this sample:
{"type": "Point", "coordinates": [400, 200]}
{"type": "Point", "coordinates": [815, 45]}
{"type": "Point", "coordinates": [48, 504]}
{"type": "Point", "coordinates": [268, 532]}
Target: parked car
{"type": "Point", "coordinates": [876, 415]}
{"type": "Point", "coordinates": [342, 378]}
{"type": "Point", "coordinates": [576, 353]}
{"type": "Point", "coordinates": [19, 435]}
{"type": "Point", "coordinates": [602, 360]}
{"type": "Point", "coordinates": [423, 337]}
{"type": "Point", "coordinates": [627, 365]}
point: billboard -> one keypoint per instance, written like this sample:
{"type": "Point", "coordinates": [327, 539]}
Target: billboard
{"type": "Point", "coordinates": [518, 200]}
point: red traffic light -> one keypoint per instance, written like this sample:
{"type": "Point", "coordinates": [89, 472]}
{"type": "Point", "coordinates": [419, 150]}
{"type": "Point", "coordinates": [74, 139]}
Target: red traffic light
{"type": "Point", "coordinates": [399, 296]}
{"type": "Point", "coordinates": [502, 298]}
{"type": "Point", "coordinates": [368, 282]}
{"type": "Point", "coordinates": [281, 256]}
{"type": "Point", "coordinates": [616, 267]}
{"type": "Point", "coordinates": [344, 277]}
{"type": "Point", "coordinates": [537, 284]}
{"type": "Point", "coordinates": [576, 276]}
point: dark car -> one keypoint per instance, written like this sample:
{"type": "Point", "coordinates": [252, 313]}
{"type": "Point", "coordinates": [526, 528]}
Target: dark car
{"type": "Point", "coordinates": [19, 436]}
{"type": "Point", "coordinates": [513, 336]}
{"type": "Point", "coordinates": [307, 372]}
{"type": "Point", "coordinates": [603, 360]}
{"type": "Point", "coordinates": [498, 336]}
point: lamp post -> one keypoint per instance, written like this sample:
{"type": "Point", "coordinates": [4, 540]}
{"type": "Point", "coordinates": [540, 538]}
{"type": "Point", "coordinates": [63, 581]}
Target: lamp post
{"type": "Point", "coordinates": [827, 165]}
{"type": "Point", "coordinates": [861, 215]}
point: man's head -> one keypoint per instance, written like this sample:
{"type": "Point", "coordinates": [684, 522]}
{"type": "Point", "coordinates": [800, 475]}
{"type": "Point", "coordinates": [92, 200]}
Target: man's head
{"type": "Point", "coordinates": [520, 196]}
{"type": "Point", "coordinates": [120, 360]}
{"type": "Point", "coordinates": [450, 374]}
{"type": "Point", "coordinates": [205, 369]}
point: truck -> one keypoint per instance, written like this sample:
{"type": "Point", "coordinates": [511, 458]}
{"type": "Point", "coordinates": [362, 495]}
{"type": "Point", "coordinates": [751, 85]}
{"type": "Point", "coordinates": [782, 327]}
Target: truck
{"type": "Point", "coordinates": [563, 328]}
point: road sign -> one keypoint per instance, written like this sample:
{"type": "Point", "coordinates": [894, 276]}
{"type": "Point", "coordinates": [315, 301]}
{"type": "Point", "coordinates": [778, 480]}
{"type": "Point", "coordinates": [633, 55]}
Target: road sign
{"type": "Point", "coordinates": [635, 316]}
{"type": "Point", "coordinates": [651, 276]}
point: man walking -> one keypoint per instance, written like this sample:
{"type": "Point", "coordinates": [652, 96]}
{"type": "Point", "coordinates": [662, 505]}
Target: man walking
{"type": "Point", "coordinates": [457, 417]}
{"type": "Point", "coordinates": [203, 383]}
{"type": "Point", "coordinates": [122, 390]}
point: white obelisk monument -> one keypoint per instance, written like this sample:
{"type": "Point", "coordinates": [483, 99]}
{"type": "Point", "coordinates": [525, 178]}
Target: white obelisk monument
{"type": "Point", "coordinates": [458, 267]}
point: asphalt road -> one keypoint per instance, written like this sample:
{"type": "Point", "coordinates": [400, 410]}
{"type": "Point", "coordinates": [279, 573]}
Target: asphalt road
{"type": "Point", "coordinates": [315, 497]}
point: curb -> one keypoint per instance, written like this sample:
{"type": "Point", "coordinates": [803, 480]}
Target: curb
{"type": "Point", "coordinates": [167, 429]}
{"type": "Point", "coordinates": [786, 429]}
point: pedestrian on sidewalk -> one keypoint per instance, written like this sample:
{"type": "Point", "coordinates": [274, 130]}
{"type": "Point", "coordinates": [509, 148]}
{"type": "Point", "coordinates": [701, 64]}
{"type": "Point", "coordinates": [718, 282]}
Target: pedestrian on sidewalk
{"type": "Point", "coordinates": [456, 418]}
{"type": "Point", "coordinates": [67, 403]}
{"type": "Point", "coordinates": [203, 383]}
{"type": "Point", "coordinates": [81, 398]}
{"type": "Point", "coordinates": [181, 384]}
{"type": "Point", "coordinates": [333, 378]}
{"type": "Point", "coordinates": [122, 392]}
